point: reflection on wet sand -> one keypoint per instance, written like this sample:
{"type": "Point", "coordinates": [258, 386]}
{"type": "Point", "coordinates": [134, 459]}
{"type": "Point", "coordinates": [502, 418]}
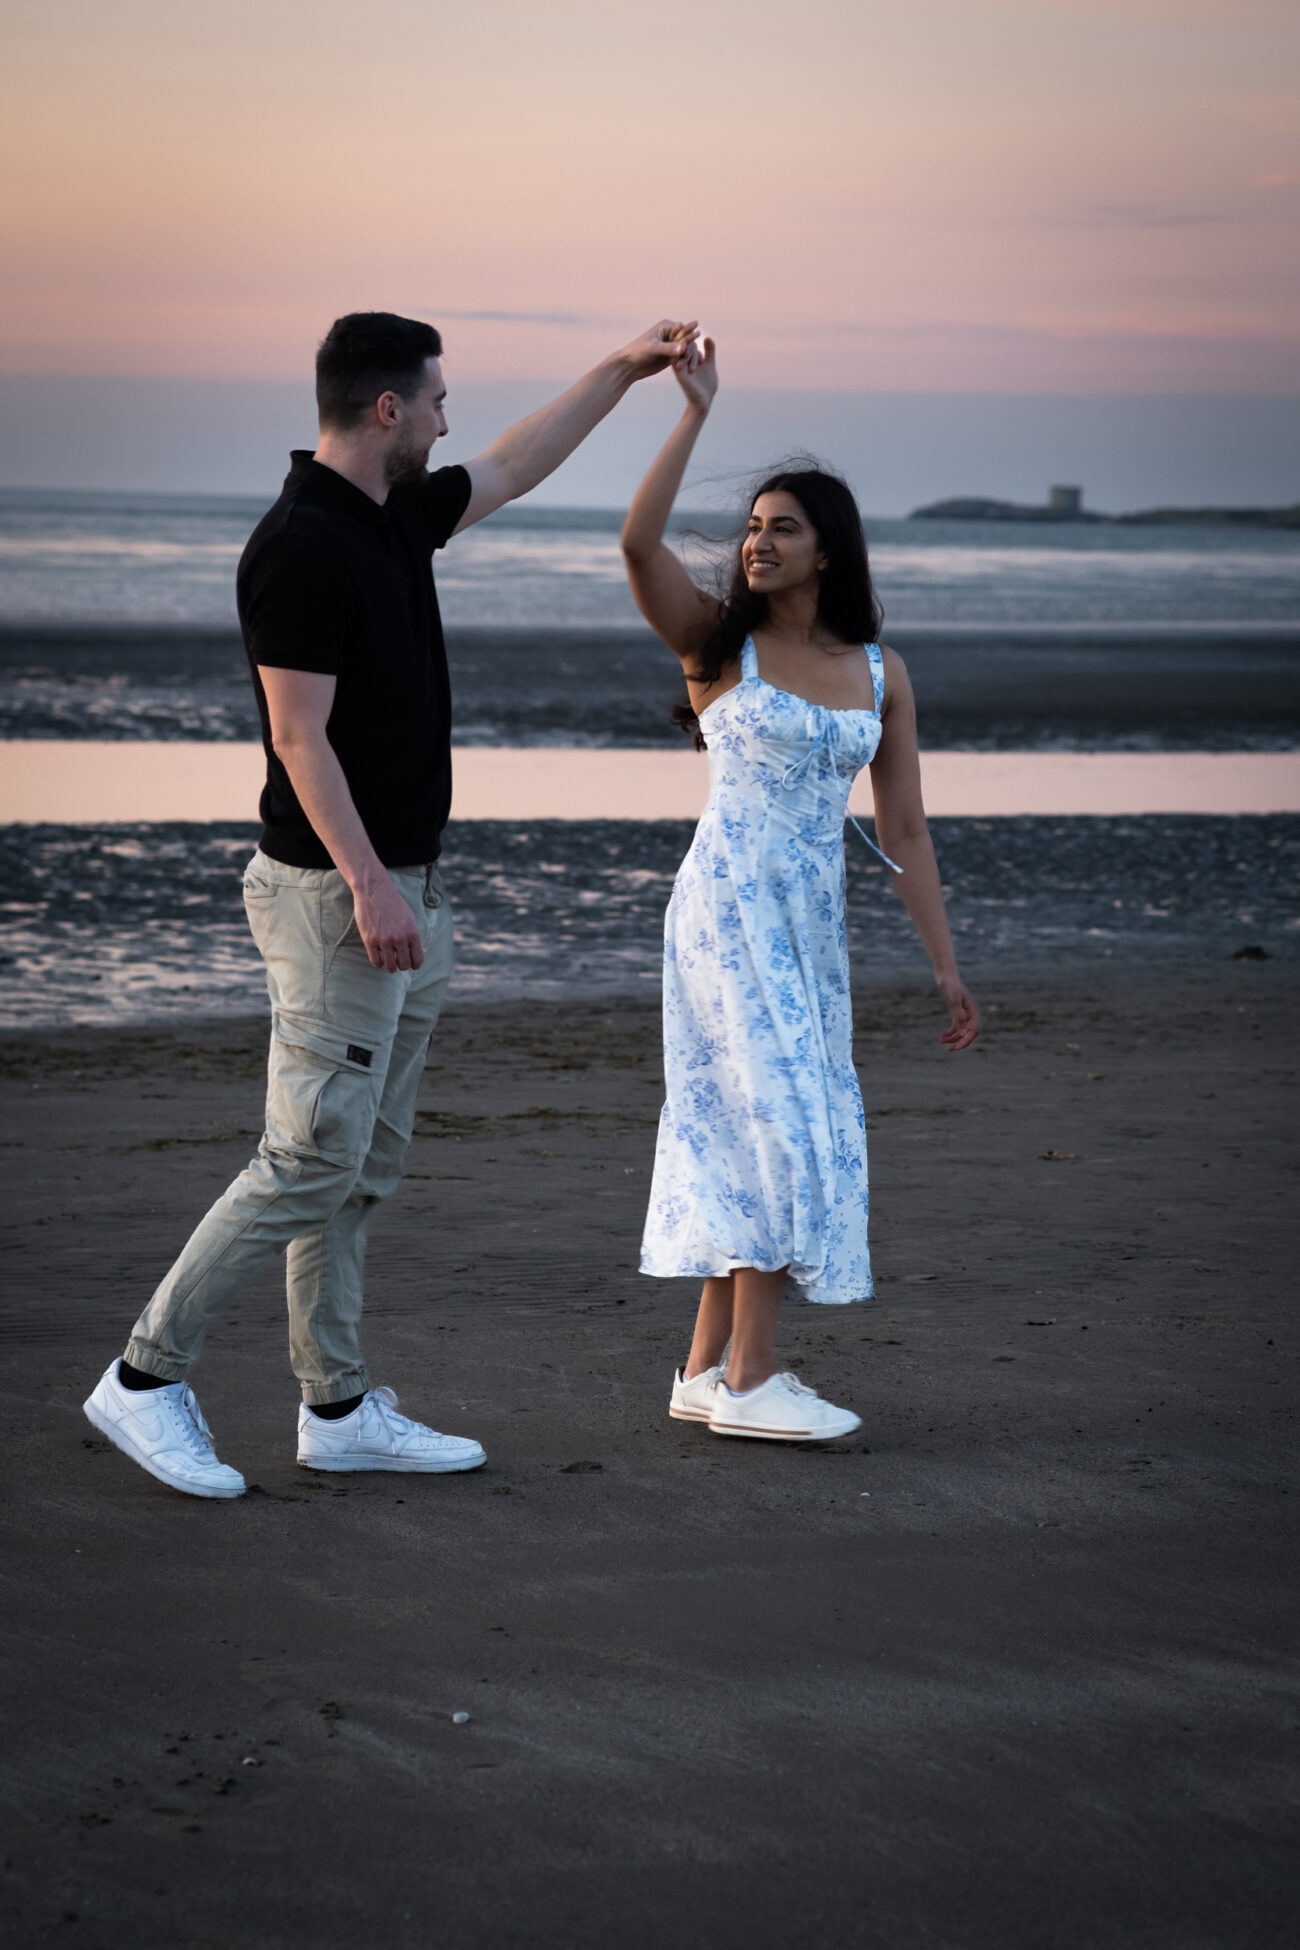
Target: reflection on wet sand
{"type": "Point", "coordinates": [90, 782]}
{"type": "Point", "coordinates": [141, 923]}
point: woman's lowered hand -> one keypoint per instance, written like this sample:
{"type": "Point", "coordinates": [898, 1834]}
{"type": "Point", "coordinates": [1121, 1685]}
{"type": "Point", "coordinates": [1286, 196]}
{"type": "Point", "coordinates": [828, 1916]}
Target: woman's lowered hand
{"type": "Point", "coordinates": [965, 1011]}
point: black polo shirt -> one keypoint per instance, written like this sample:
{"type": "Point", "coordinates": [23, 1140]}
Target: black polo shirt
{"type": "Point", "coordinates": [332, 582]}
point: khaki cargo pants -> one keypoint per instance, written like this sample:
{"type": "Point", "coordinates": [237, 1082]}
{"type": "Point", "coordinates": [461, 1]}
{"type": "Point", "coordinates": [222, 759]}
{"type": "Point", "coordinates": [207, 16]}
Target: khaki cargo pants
{"type": "Point", "coordinates": [348, 1044]}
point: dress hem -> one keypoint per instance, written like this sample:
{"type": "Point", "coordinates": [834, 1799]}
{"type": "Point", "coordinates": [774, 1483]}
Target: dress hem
{"type": "Point", "coordinates": [805, 1293]}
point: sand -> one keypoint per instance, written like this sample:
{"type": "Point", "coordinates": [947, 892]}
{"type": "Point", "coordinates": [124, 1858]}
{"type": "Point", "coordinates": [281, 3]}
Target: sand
{"type": "Point", "coordinates": [1004, 687]}
{"type": "Point", "coordinates": [1011, 1668]}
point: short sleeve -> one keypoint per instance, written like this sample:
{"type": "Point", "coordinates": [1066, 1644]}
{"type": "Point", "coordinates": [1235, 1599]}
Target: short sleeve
{"type": "Point", "coordinates": [438, 504]}
{"type": "Point", "coordinates": [296, 603]}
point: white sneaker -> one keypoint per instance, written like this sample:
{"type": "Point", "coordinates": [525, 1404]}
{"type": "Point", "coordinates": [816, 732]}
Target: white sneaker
{"type": "Point", "coordinates": [689, 1399]}
{"type": "Point", "coordinates": [781, 1410]}
{"type": "Point", "coordinates": [375, 1436]}
{"type": "Point", "coordinates": [164, 1431]}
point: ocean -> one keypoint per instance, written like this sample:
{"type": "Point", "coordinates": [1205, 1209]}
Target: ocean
{"type": "Point", "coordinates": [160, 559]}
{"type": "Point", "coordinates": [117, 621]}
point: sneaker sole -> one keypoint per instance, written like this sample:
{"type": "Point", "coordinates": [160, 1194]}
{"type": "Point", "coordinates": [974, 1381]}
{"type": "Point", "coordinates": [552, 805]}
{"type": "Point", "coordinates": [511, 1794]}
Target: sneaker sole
{"type": "Point", "coordinates": [392, 1465]}
{"type": "Point", "coordinates": [688, 1414]}
{"type": "Point", "coordinates": [109, 1429]}
{"type": "Point", "coordinates": [785, 1435]}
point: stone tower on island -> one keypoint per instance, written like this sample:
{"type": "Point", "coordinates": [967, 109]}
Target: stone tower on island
{"type": "Point", "coordinates": [1065, 500]}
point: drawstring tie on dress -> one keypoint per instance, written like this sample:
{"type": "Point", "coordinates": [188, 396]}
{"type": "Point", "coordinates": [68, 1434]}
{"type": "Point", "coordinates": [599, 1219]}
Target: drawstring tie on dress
{"type": "Point", "coordinates": [794, 776]}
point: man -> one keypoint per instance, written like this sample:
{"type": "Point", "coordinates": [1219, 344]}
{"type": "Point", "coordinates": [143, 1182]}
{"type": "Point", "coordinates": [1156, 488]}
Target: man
{"type": "Point", "coordinates": [340, 620]}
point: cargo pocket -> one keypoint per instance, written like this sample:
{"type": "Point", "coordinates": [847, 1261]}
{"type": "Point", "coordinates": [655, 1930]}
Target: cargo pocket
{"type": "Point", "coordinates": [323, 1092]}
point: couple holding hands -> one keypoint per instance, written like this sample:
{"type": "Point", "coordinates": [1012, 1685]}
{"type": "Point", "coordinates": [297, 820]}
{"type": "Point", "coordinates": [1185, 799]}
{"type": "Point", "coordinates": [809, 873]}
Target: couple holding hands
{"type": "Point", "coordinates": [760, 1178]}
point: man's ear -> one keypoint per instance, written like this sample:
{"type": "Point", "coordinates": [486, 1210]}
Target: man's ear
{"type": "Point", "coordinates": [389, 409]}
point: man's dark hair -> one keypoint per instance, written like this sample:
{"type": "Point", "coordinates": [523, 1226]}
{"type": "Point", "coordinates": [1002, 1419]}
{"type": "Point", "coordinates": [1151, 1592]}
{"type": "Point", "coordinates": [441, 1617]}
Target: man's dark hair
{"type": "Point", "coordinates": [365, 354]}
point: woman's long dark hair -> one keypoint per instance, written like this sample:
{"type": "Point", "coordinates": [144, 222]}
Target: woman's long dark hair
{"type": "Point", "coordinates": [846, 601]}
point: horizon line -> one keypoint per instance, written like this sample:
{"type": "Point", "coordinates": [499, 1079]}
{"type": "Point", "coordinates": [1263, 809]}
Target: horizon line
{"type": "Point", "coordinates": [732, 392]}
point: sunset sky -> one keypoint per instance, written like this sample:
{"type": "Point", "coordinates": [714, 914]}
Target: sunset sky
{"type": "Point", "coordinates": [976, 195]}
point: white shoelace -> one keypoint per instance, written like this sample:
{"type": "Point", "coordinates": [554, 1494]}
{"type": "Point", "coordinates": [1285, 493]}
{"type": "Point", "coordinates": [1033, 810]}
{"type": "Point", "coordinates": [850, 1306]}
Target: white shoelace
{"type": "Point", "coordinates": [790, 1382]}
{"type": "Point", "coordinates": [192, 1426]}
{"type": "Point", "coordinates": [385, 1401]}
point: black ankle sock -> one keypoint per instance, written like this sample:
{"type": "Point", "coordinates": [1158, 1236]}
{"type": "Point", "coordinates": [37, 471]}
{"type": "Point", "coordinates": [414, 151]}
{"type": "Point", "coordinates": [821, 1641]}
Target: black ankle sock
{"type": "Point", "coordinates": [335, 1411]}
{"type": "Point", "coordinates": [140, 1378]}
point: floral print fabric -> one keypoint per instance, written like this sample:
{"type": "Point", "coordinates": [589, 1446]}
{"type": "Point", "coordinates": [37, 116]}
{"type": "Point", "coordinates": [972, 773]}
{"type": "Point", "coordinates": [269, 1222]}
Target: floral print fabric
{"type": "Point", "coordinates": [762, 1151]}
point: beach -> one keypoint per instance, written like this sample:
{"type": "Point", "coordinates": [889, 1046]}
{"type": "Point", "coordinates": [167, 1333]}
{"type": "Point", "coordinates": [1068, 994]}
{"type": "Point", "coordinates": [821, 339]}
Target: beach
{"type": "Point", "coordinates": [1011, 687]}
{"type": "Point", "coordinates": [1007, 1668]}
{"type": "Point", "coordinates": [1011, 1666]}
{"type": "Point", "coordinates": [143, 922]}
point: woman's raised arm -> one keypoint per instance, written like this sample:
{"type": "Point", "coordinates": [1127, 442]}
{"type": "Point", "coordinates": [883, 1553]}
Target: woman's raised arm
{"type": "Point", "coordinates": [676, 608]}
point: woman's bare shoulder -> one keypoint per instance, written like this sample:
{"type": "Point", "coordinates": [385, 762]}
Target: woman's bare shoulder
{"type": "Point", "coordinates": [896, 677]}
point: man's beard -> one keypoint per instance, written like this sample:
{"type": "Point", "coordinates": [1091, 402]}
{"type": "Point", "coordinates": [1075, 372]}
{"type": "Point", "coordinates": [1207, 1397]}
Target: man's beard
{"type": "Point", "coordinates": [406, 467]}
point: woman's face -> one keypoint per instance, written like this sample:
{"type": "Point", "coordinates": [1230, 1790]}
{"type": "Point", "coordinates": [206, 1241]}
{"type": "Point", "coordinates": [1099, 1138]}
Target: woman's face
{"type": "Point", "coordinates": [781, 551]}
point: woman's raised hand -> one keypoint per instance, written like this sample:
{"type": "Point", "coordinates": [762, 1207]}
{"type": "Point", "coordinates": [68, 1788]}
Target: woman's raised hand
{"type": "Point", "coordinates": [697, 375]}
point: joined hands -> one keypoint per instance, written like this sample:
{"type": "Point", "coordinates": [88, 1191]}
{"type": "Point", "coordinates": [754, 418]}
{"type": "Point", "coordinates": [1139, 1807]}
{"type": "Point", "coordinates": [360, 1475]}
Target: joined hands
{"type": "Point", "coordinates": [668, 343]}
{"type": "Point", "coordinates": [675, 343]}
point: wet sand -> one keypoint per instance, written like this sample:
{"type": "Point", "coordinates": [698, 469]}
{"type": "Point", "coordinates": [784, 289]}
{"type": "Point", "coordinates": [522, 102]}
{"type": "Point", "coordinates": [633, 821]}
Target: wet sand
{"type": "Point", "coordinates": [98, 782]}
{"type": "Point", "coordinates": [1011, 1668]}
{"type": "Point", "coordinates": [991, 687]}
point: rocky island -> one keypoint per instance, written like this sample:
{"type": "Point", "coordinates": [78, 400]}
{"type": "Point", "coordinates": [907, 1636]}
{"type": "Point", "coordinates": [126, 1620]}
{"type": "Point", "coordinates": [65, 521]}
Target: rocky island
{"type": "Point", "coordinates": [1066, 504]}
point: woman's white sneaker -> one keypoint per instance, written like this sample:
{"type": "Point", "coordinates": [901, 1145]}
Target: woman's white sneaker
{"type": "Point", "coordinates": [375, 1436]}
{"type": "Point", "coordinates": [164, 1431]}
{"type": "Point", "coordinates": [689, 1401]}
{"type": "Point", "coordinates": [781, 1410]}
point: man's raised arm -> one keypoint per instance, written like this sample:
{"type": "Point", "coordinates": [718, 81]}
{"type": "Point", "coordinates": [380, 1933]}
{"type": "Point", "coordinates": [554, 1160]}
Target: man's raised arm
{"type": "Point", "coordinates": [533, 448]}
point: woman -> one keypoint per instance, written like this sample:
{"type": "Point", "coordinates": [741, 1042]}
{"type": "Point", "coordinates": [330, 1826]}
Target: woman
{"type": "Point", "coordinates": [760, 1177]}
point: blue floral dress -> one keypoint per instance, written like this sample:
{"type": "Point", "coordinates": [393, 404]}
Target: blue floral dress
{"type": "Point", "coordinates": [762, 1152]}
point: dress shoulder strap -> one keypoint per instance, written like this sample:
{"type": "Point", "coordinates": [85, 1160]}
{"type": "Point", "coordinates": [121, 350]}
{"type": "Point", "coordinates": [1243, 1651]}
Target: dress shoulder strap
{"type": "Point", "coordinates": [748, 658]}
{"type": "Point", "coordinates": [877, 663]}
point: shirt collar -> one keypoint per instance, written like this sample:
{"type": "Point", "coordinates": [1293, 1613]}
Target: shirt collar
{"type": "Point", "coordinates": [328, 489]}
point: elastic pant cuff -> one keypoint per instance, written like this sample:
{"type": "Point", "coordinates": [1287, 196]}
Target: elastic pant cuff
{"type": "Point", "coordinates": [149, 1361]}
{"type": "Point", "coordinates": [317, 1394]}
